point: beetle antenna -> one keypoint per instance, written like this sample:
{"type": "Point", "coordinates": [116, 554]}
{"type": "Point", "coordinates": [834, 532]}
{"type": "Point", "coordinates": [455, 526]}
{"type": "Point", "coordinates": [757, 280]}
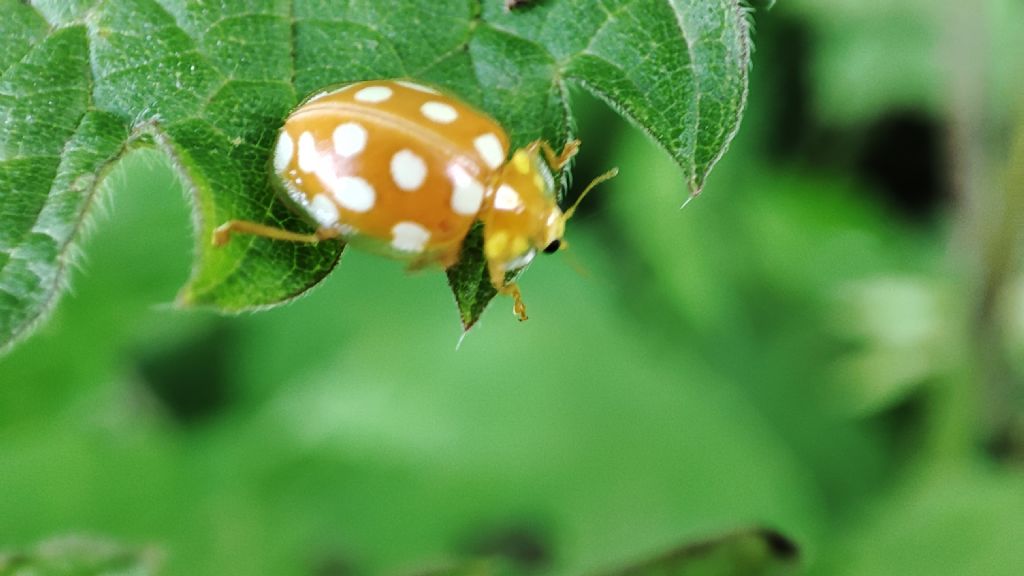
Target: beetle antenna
{"type": "Point", "coordinates": [576, 264]}
{"type": "Point", "coordinates": [602, 178]}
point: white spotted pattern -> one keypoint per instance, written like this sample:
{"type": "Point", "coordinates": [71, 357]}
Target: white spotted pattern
{"type": "Point", "coordinates": [490, 149]}
{"type": "Point", "coordinates": [507, 199]}
{"type": "Point", "coordinates": [309, 158]}
{"type": "Point", "coordinates": [284, 151]}
{"type": "Point", "coordinates": [351, 192]}
{"type": "Point", "coordinates": [324, 211]}
{"type": "Point", "coordinates": [467, 193]}
{"type": "Point", "coordinates": [409, 237]}
{"type": "Point", "coordinates": [349, 139]}
{"type": "Point", "coordinates": [373, 94]}
{"type": "Point", "coordinates": [408, 170]}
{"type": "Point", "coordinates": [439, 112]}
{"type": "Point", "coordinates": [415, 86]}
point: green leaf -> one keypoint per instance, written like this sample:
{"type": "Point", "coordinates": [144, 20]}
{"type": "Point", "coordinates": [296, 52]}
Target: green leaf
{"type": "Point", "coordinates": [82, 82]}
{"type": "Point", "coordinates": [76, 556]}
{"type": "Point", "coordinates": [473, 568]}
{"type": "Point", "coordinates": [469, 280]}
{"type": "Point", "coordinates": [754, 552]}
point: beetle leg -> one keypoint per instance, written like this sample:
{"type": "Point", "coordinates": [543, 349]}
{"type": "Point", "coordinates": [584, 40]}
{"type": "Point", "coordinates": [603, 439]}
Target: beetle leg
{"type": "Point", "coordinates": [450, 258]}
{"type": "Point", "coordinates": [558, 161]}
{"type": "Point", "coordinates": [518, 308]}
{"type": "Point", "coordinates": [512, 289]}
{"type": "Point", "coordinates": [223, 233]}
{"type": "Point", "coordinates": [422, 262]}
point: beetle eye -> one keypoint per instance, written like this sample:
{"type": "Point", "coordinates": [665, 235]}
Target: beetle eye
{"type": "Point", "coordinates": [553, 247]}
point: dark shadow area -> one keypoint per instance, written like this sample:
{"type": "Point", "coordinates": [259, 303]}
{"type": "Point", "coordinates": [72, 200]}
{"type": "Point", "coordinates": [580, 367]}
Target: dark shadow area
{"type": "Point", "coordinates": [523, 546]}
{"type": "Point", "coordinates": [902, 158]}
{"type": "Point", "coordinates": [190, 379]}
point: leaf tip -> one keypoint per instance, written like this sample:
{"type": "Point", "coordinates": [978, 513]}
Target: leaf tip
{"type": "Point", "coordinates": [695, 191]}
{"type": "Point", "coordinates": [468, 320]}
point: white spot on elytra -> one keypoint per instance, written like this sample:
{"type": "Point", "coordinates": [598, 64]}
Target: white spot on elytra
{"type": "Point", "coordinates": [506, 198]}
{"type": "Point", "coordinates": [309, 158]}
{"type": "Point", "coordinates": [351, 192]}
{"type": "Point", "coordinates": [283, 152]}
{"type": "Point", "coordinates": [408, 170]}
{"type": "Point", "coordinates": [373, 94]}
{"type": "Point", "coordinates": [415, 86]}
{"type": "Point", "coordinates": [323, 210]}
{"type": "Point", "coordinates": [439, 112]}
{"type": "Point", "coordinates": [409, 237]}
{"type": "Point", "coordinates": [349, 139]}
{"type": "Point", "coordinates": [490, 149]}
{"type": "Point", "coordinates": [467, 193]}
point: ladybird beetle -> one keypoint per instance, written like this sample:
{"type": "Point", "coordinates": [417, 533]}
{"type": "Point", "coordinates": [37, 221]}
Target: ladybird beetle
{"type": "Point", "coordinates": [404, 169]}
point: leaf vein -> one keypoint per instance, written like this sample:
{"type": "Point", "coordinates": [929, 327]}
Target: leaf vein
{"type": "Point", "coordinates": [62, 260]}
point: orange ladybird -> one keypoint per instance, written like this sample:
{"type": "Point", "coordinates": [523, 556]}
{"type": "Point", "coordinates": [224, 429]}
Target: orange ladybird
{"type": "Point", "coordinates": [403, 169]}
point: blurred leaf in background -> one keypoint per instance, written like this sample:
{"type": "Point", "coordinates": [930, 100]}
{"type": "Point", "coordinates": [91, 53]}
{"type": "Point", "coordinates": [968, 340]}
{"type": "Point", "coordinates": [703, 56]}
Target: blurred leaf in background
{"type": "Point", "coordinates": [79, 556]}
{"type": "Point", "coordinates": [753, 552]}
{"type": "Point", "coordinates": [743, 553]}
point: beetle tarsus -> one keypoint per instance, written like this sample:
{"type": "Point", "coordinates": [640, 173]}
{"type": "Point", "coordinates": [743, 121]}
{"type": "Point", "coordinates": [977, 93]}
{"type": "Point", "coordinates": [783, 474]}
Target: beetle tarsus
{"type": "Point", "coordinates": [222, 235]}
{"type": "Point", "coordinates": [558, 161]}
{"type": "Point", "coordinates": [518, 308]}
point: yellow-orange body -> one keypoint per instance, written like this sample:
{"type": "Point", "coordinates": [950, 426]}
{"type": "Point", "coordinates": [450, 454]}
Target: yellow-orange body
{"type": "Point", "coordinates": [404, 169]}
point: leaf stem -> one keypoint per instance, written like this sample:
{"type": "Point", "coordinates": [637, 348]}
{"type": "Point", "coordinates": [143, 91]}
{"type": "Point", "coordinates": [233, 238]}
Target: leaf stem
{"type": "Point", "coordinates": [970, 405]}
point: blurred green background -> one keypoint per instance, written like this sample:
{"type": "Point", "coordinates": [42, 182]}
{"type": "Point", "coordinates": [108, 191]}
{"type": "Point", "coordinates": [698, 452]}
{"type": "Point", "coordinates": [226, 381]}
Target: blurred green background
{"type": "Point", "coordinates": [829, 342]}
